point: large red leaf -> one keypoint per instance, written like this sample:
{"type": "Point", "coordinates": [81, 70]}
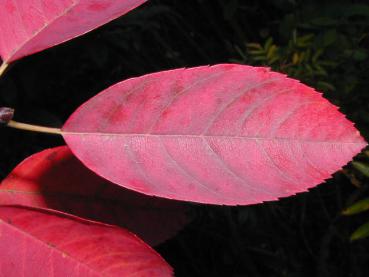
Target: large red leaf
{"type": "Point", "coordinates": [34, 25]}
{"type": "Point", "coordinates": [41, 243]}
{"type": "Point", "coordinates": [55, 179]}
{"type": "Point", "coordinates": [226, 134]}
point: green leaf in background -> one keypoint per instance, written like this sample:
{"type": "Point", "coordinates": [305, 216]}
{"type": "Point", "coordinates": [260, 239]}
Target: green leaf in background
{"type": "Point", "coordinates": [362, 167]}
{"type": "Point", "coordinates": [357, 207]}
{"type": "Point", "coordinates": [360, 55]}
{"type": "Point", "coordinates": [324, 21]}
{"type": "Point", "coordinates": [361, 232]}
{"type": "Point", "coordinates": [357, 9]}
{"type": "Point", "coordinates": [329, 37]}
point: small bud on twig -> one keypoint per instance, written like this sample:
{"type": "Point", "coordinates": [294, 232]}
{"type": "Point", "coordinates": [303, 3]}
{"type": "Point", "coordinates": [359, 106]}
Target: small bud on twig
{"type": "Point", "coordinates": [6, 114]}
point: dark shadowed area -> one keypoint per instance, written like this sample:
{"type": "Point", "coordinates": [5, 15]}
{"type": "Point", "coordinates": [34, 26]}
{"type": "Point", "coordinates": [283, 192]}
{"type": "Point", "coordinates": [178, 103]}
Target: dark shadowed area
{"type": "Point", "coordinates": [322, 43]}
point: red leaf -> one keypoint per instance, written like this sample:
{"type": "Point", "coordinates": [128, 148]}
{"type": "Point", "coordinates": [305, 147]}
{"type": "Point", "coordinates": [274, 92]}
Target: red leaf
{"type": "Point", "coordinates": [34, 25]}
{"type": "Point", "coordinates": [226, 134]}
{"type": "Point", "coordinates": [41, 243]}
{"type": "Point", "coordinates": [55, 179]}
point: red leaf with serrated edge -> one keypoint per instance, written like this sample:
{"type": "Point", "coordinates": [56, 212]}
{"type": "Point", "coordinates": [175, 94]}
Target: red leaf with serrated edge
{"type": "Point", "coordinates": [55, 179]}
{"type": "Point", "coordinates": [30, 26]}
{"type": "Point", "coordinates": [41, 243]}
{"type": "Point", "coordinates": [226, 134]}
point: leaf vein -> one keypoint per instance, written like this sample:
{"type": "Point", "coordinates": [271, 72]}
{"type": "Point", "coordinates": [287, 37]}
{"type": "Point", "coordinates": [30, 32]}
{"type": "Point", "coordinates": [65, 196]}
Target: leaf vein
{"type": "Point", "coordinates": [231, 171]}
{"type": "Point", "coordinates": [234, 99]}
{"type": "Point", "coordinates": [184, 171]}
{"type": "Point", "coordinates": [180, 93]}
{"type": "Point", "coordinates": [274, 164]}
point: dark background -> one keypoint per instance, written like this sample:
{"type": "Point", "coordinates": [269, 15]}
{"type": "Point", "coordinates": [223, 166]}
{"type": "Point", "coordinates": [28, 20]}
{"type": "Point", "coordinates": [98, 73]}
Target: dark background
{"type": "Point", "coordinates": [323, 43]}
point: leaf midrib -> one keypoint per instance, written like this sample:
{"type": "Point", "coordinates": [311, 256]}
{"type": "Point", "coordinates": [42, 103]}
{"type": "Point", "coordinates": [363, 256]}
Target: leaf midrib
{"type": "Point", "coordinates": [210, 136]}
{"type": "Point", "coordinates": [43, 28]}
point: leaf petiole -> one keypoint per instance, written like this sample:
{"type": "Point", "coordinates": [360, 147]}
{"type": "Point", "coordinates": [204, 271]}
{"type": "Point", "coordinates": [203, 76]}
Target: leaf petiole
{"type": "Point", "coordinates": [6, 118]}
{"type": "Point", "coordinates": [33, 128]}
{"type": "Point", "coordinates": [3, 67]}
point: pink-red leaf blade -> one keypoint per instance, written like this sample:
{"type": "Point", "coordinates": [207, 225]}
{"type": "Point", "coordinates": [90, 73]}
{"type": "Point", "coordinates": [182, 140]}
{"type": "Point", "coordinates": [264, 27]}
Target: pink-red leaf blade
{"type": "Point", "coordinates": [55, 179]}
{"type": "Point", "coordinates": [226, 134]}
{"type": "Point", "coordinates": [41, 243]}
{"type": "Point", "coordinates": [31, 26]}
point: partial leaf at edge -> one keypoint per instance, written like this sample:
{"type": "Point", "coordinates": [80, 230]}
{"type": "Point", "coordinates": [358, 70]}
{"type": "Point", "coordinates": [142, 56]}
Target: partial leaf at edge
{"type": "Point", "coordinates": [55, 179]}
{"type": "Point", "coordinates": [31, 26]}
{"type": "Point", "coordinates": [43, 243]}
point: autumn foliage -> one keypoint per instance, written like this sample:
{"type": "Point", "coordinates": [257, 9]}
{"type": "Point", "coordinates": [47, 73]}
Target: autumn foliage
{"type": "Point", "coordinates": [226, 134]}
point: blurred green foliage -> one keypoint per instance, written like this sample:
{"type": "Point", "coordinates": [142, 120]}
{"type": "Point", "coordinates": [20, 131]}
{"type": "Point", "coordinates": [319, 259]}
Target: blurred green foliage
{"type": "Point", "coordinates": [298, 59]}
{"type": "Point", "coordinates": [359, 206]}
{"type": "Point", "coordinates": [324, 45]}
{"type": "Point", "coordinates": [361, 232]}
